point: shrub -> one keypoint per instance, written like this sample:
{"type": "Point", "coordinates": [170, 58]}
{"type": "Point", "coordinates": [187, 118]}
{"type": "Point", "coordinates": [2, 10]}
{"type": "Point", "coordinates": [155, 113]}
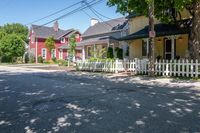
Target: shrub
{"type": "Point", "coordinates": [19, 60]}
{"type": "Point", "coordinates": [54, 59]}
{"type": "Point", "coordinates": [110, 53]}
{"type": "Point", "coordinates": [40, 59]}
{"type": "Point", "coordinates": [46, 62]}
{"type": "Point", "coordinates": [62, 63]}
{"type": "Point", "coordinates": [119, 53]}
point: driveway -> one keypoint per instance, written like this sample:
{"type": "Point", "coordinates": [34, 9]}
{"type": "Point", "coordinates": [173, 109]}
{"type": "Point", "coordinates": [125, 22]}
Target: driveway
{"type": "Point", "coordinates": [40, 101]}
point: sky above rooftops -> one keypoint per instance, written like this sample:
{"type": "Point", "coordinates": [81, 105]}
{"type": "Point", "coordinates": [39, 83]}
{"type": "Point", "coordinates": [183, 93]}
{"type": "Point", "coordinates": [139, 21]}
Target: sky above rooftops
{"type": "Point", "coordinates": [26, 11]}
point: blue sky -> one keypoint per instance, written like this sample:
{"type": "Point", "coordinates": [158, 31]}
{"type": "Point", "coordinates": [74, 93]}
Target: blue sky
{"type": "Point", "coordinates": [25, 11]}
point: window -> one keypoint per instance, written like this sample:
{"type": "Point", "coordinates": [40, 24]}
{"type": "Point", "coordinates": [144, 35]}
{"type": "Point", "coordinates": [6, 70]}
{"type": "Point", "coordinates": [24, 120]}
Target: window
{"type": "Point", "coordinates": [145, 47]}
{"type": "Point", "coordinates": [44, 53]}
{"type": "Point", "coordinates": [53, 53]}
{"type": "Point", "coordinates": [171, 12]}
{"type": "Point", "coordinates": [77, 36]}
{"type": "Point", "coordinates": [62, 40]}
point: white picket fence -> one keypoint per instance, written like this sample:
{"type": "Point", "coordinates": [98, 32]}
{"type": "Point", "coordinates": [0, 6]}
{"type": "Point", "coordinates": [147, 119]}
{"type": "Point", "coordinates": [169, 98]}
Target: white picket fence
{"type": "Point", "coordinates": [183, 68]}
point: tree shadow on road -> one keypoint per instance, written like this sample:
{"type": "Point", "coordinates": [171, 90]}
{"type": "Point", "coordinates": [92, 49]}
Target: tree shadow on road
{"type": "Point", "coordinates": [60, 102]}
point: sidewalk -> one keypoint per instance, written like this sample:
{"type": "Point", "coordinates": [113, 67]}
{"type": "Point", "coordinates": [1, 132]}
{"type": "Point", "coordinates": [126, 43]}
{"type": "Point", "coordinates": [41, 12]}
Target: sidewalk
{"type": "Point", "coordinates": [151, 81]}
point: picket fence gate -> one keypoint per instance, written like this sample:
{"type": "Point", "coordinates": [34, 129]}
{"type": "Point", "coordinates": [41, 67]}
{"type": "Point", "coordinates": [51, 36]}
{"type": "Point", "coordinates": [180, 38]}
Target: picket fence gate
{"type": "Point", "coordinates": [179, 68]}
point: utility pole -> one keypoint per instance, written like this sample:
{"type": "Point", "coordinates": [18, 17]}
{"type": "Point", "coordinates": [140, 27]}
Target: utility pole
{"type": "Point", "coordinates": [152, 35]}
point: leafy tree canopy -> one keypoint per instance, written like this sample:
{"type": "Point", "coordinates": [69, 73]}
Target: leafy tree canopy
{"type": "Point", "coordinates": [16, 28]}
{"type": "Point", "coordinates": [12, 46]}
{"type": "Point", "coordinates": [161, 6]}
{"type": "Point", "coordinates": [50, 43]}
{"type": "Point", "coordinates": [72, 45]}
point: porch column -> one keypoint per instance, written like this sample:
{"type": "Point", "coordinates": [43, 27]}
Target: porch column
{"type": "Point", "coordinates": [173, 46]}
{"type": "Point", "coordinates": [114, 50]}
{"type": "Point", "coordinates": [36, 51]}
{"type": "Point", "coordinates": [95, 50]}
{"type": "Point", "coordinates": [83, 53]}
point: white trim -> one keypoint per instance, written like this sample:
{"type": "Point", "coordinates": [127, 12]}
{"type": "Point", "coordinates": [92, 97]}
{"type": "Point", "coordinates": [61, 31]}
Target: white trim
{"type": "Point", "coordinates": [60, 53]}
{"type": "Point", "coordinates": [62, 40]}
{"type": "Point", "coordinates": [54, 53]}
{"type": "Point", "coordinates": [45, 55]}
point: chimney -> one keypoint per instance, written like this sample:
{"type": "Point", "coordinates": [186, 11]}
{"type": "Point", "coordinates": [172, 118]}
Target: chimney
{"type": "Point", "coordinates": [94, 21]}
{"type": "Point", "coordinates": [56, 26]}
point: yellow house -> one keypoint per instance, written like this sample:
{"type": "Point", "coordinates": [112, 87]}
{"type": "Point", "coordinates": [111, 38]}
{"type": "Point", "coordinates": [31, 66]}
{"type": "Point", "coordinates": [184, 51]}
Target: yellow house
{"type": "Point", "coordinates": [171, 42]}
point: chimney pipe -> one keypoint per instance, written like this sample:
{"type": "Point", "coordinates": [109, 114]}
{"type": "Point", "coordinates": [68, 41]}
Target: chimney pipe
{"type": "Point", "coordinates": [94, 21]}
{"type": "Point", "coordinates": [56, 26]}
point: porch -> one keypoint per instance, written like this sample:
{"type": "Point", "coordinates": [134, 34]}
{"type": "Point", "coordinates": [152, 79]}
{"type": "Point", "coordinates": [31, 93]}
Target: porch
{"type": "Point", "coordinates": [97, 47]}
{"type": "Point", "coordinates": [171, 42]}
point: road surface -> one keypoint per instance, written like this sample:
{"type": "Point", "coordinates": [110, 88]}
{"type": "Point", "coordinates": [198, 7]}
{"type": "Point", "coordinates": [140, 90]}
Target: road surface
{"type": "Point", "coordinates": [39, 101]}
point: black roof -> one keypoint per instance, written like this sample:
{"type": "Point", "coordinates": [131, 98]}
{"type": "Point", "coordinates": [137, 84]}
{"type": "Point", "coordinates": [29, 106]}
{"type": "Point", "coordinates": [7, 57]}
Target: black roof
{"type": "Point", "coordinates": [133, 15]}
{"type": "Point", "coordinates": [106, 27]}
{"type": "Point", "coordinates": [160, 29]}
{"type": "Point", "coordinates": [45, 32]}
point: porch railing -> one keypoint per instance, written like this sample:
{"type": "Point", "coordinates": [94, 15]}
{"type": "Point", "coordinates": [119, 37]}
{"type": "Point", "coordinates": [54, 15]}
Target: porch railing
{"type": "Point", "coordinates": [180, 68]}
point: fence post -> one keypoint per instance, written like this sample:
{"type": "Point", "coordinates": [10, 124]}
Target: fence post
{"type": "Point", "coordinates": [196, 69]}
{"type": "Point", "coordinates": [192, 69]}
{"type": "Point", "coordinates": [170, 68]}
{"type": "Point", "coordinates": [187, 68]}
{"type": "Point", "coordinates": [116, 66]}
{"type": "Point", "coordinates": [179, 67]}
{"type": "Point", "coordinates": [163, 71]}
{"type": "Point", "coordinates": [183, 68]}
{"type": "Point", "coordinates": [167, 68]}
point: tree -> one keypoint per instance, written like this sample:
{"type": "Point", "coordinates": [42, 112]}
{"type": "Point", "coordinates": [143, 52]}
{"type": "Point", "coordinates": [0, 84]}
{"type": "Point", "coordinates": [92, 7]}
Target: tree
{"type": "Point", "coordinates": [11, 46]}
{"type": "Point", "coordinates": [72, 46]}
{"type": "Point", "coordinates": [50, 43]}
{"type": "Point", "coordinates": [161, 6]}
{"type": "Point", "coordinates": [16, 28]}
{"type": "Point", "coordinates": [110, 53]}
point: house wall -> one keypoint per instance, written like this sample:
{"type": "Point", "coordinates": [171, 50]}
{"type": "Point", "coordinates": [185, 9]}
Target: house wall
{"type": "Point", "coordinates": [138, 23]}
{"type": "Point", "coordinates": [182, 46]}
{"type": "Point", "coordinates": [135, 47]}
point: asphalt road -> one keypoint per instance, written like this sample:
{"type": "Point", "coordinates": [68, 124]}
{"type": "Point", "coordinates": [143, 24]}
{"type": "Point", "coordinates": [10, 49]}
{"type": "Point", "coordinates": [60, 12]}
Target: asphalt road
{"type": "Point", "coordinates": [34, 101]}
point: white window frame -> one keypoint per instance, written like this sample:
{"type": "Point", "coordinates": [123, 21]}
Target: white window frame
{"type": "Point", "coordinates": [54, 53]}
{"type": "Point", "coordinates": [62, 40]}
{"type": "Point", "coordinates": [45, 54]}
{"type": "Point", "coordinates": [60, 52]}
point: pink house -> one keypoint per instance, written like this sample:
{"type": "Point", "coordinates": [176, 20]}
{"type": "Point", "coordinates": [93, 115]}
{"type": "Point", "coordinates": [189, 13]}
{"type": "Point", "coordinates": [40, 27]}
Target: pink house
{"type": "Point", "coordinates": [38, 35]}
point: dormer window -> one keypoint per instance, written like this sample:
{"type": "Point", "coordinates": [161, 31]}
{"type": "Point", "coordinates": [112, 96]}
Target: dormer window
{"type": "Point", "coordinates": [62, 40]}
{"type": "Point", "coordinates": [77, 35]}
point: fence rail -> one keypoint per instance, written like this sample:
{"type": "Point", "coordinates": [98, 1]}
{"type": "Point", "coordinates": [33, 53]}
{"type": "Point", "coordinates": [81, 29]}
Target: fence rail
{"type": "Point", "coordinates": [180, 68]}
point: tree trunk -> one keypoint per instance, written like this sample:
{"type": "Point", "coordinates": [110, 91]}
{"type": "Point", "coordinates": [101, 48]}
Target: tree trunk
{"type": "Point", "coordinates": [151, 39]}
{"type": "Point", "coordinates": [194, 37]}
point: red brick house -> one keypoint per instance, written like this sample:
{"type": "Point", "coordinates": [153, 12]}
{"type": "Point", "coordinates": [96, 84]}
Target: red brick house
{"type": "Point", "coordinates": [38, 35]}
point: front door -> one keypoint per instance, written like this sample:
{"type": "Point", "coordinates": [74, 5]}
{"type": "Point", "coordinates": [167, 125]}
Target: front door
{"type": "Point", "coordinates": [168, 49]}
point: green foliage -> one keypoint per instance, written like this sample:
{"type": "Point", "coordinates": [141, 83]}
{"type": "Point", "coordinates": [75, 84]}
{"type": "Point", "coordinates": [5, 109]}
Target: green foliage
{"type": "Point", "coordinates": [54, 59]}
{"type": "Point", "coordinates": [50, 43]}
{"type": "Point", "coordinates": [15, 28]}
{"type": "Point", "coordinates": [119, 53]}
{"type": "Point", "coordinates": [100, 60]}
{"type": "Point", "coordinates": [62, 63]}
{"type": "Point", "coordinates": [46, 62]}
{"type": "Point", "coordinates": [141, 7]}
{"type": "Point", "coordinates": [110, 53]}
{"type": "Point", "coordinates": [72, 45]}
{"type": "Point", "coordinates": [40, 59]}
{"type": "Point", "coordinates": [11, 46]}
